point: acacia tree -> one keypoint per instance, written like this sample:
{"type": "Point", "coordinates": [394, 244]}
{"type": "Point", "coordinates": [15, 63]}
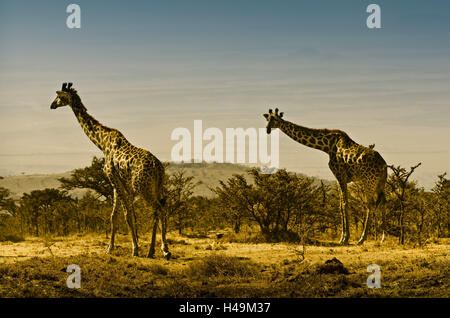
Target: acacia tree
{"type": "Point", "coordinates": [91, 213]}
{"type": "Point", "coordinates": [287, 201]}
{"type": "Point", "coordinates": [281, 203]}
{"type": "Point", "coordinates": [357, 206]}
{"type": "Point", "coordinates": [398, 182]}
{"type": "Point", "coordinates": [91, 177]}
{"type": "Point", "coordinates": [420, 213]}
{"type": "Point", "coordinates": [178, 190]}
{"type": "Point", "coordinates": [40, 207]}
{"type": "Point", "coordinates": [6, 202]}
{"type": "Point", "coordinates": [206, 214]}
{"type": "Point", "coordinates": [235, 197]}
{"type": "Point", "coordinates": [64, 216]}
{"type": "Point", "coordinates": [328, 202]}
{"type": "Point", "coordinates": [441, 206]}
{"type": "Point", "coordinates": [7, 209]}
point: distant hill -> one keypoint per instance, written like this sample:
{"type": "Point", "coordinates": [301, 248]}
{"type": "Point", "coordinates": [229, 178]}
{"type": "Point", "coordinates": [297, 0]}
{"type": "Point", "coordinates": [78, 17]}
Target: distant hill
{"type": "Point", "coordinates": [28, 182]}
{"type": "Point", "coordinates": [208, 173]}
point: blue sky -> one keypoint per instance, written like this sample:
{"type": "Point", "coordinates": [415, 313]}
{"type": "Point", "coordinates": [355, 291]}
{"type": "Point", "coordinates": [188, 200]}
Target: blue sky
{"type": "Point", "coordinates": [147, 67]}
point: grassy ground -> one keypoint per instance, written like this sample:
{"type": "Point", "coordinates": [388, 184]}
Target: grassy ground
{"type": "Point", "coordinates": [206, 267]}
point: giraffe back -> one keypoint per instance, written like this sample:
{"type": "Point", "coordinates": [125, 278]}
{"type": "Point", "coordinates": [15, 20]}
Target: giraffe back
{"type": "Point", "coordinates": [356, 162]}
{"type": "Point", "coordinates": [136, 168]}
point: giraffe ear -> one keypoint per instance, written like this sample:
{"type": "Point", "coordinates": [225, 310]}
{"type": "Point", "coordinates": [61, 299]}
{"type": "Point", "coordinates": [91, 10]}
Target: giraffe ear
{"type": "Point", "coordinates": [266, 116]}
{"type": "Point", "coordinates": [281, 115]}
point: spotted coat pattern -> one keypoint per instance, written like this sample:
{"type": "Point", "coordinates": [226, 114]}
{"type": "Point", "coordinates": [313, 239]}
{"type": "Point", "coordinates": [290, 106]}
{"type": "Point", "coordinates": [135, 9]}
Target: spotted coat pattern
{"type": "Point", "coordinates": [132, 171]}
{"type": "Point", "coordinates": [348, 161]}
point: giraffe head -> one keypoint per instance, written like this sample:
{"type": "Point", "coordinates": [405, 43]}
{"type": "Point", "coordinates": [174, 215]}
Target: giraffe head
{"type": "Point", "coordinates": [64, 97]}
{"type": "Point", "coordinates": [273, 119]}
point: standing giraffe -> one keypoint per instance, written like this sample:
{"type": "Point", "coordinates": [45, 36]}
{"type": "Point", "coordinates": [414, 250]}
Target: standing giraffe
{"type": "Point", "coordinates": [132, 171]}
{"type": "Point", "coordinates": [349, 162]}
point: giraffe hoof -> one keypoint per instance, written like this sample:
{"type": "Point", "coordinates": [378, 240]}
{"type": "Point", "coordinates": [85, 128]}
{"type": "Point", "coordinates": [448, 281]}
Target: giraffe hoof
{"type": "Point", "coordinates": [360, 242]}
{"type": "Point", "coordinates": [109, 249]}
{"type": "Point", "coordinates": [167, 255]}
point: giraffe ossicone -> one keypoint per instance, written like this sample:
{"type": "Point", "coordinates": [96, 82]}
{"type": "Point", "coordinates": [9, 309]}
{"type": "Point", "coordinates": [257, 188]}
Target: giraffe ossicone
{"type": "Point", "coordinates": [132, 171]}
{"type": "Point", "coordinates": [348, 161]}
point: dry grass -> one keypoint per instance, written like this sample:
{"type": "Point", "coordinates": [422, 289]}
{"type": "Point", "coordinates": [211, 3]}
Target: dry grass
{"type": "Point", "coordinates": [36, 268]}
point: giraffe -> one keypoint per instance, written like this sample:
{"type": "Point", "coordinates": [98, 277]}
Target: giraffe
{"type": "Point", "coordinates": [349, 162]}
{"type": "Point", "coordinates": [132, 171]}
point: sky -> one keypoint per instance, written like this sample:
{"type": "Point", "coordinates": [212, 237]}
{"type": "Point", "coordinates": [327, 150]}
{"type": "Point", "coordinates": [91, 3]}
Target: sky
{"type": "Point", "coordinates": [148, 67]}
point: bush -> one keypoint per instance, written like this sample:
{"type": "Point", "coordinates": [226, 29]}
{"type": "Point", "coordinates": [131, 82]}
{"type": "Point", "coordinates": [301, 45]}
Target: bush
{"type": "Point", "coordinates": [280, 203]}
{"type": "Point", "coordinates": [244, 237]}
{"type": "Point", "coordinates": [9, 230]}
{"type": "Point", "coordinates": [11, 238]}
{"type": "Point", "coordinates": [222, 266]}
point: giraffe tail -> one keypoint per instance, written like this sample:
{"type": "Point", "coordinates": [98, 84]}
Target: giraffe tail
{"type": "Point", "coordinates": [162, 201]}
{"type": "Point", "coordinates": [381, 199]}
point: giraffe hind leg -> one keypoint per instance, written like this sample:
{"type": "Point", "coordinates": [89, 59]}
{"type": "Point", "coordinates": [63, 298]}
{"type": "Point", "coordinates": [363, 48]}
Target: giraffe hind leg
{"type": "Point", "coordinates": [130, 220]}
{"type": "Point", "coordinates": [374, 198]}
{"type": "Point", "coordinates": [114, 215]}
{"type": "Point", "coordinates": [164, 245]}
{"type": "Point", "coordinates": [159, 215]}
{"type": "Point", "coordinates": [151, 251]}
{"type": "Point", "coordinates": [128, 209]}
{"type": "Point", "coordinates": [341, 211]}
{"type": "Point", "coordinates": [160, 202]}
{"type": "Point", "coordinates": [365, 227]}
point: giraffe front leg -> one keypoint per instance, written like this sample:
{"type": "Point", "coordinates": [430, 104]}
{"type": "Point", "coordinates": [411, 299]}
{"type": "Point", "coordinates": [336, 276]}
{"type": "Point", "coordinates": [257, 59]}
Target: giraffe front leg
{"type": "Point", "coordinates": [345, 225]}
{"type": "Point", "coordinates": [345, 236]}
{"type": "Point", "coordinates": [113, 223]}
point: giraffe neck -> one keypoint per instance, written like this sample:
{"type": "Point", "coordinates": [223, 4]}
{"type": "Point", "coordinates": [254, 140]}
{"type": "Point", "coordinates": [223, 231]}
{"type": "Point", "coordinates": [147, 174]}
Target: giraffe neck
{"type": "Point", "coordinates": [321, 139]}
{"type": "Point", "coordinates": [91, 126]}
